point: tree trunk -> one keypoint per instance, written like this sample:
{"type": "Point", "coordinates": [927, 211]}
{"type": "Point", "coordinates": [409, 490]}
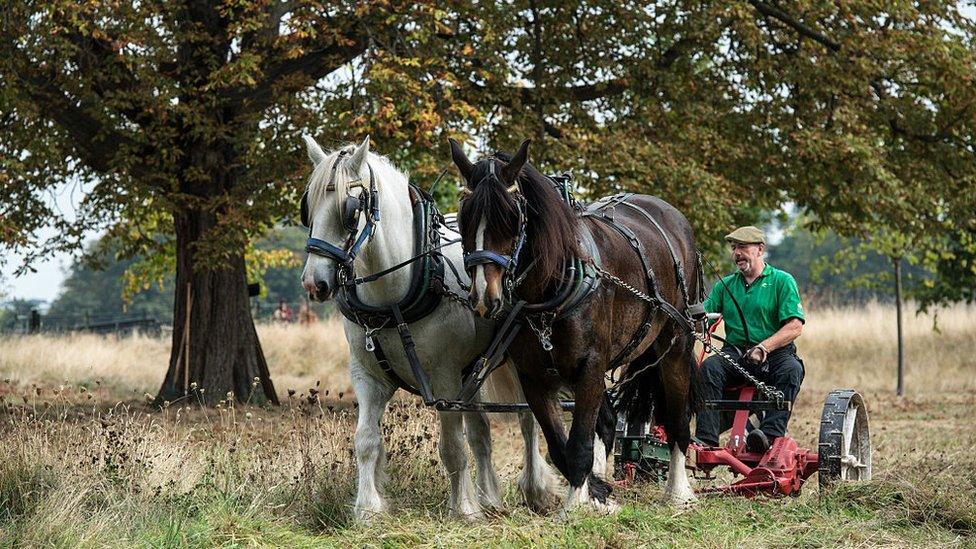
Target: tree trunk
{"type": "Point", "coordinates": [220, 353]}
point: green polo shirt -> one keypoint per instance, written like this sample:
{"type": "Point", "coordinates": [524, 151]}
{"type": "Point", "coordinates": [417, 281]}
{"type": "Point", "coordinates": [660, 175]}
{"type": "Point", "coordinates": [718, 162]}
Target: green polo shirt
{"type": "Point", "coordinates": [767, 304]}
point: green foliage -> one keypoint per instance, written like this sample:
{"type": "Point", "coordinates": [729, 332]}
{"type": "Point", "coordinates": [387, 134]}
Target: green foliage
{"type": "Point", "coordinates": [283, 280]}
{"type": "Point", "coordinates": [15, 309]}
{"type": "Point", "coordinates": [835, 270]}
{"type": "Point", "coordinates": [955, 271]}
{"type": "Point", "coordinates": [96, 287]}
{"type": "Point", "coordinates": [102, 283]}
{"type": "Point", "coordinates": [862, 114]}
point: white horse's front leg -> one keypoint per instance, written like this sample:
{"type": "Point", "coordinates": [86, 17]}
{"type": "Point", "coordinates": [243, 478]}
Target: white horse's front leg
{"type": "Point", "coordinates": [373, 396]}
{"type": "Point", "coordinates": [538, 484]}
{"type": "Point", "coordinates": [478, 430]}
{"type": "Point", "coordinates": [462, 501]}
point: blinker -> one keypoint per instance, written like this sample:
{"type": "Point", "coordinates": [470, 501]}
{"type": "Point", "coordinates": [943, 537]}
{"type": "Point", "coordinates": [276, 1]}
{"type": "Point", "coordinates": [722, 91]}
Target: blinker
{"type": "Point", "coordinates": [351, 209]}
{"type": "Point", "coordinates": [304, 210]}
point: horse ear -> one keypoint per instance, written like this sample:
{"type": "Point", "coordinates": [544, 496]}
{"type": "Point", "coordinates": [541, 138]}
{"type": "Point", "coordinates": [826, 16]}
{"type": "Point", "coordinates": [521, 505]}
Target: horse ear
{"type": "Point", "coordinates": [315, 152]}
{"type": "Point", "coordinates": [359, 155]}
{"type": "Point", "coordinates": [461, 160]}
{"type": "Point", "coordinates": [511, 171]}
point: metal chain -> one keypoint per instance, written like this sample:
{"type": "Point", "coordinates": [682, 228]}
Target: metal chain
{"type": "Point", "coordinates": [457, 298]}
{"type": "Point", "coordinates": [766, 390]}
{"type": "Point", "coordinates": [632, 375]}
{"type": "Point", "coordinates": [613, 278]}
{"type": "Point", "coordinates": [544, 331]}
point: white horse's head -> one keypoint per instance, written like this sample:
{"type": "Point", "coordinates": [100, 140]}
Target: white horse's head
{"type": "Point", "coordinates": [337, 209]}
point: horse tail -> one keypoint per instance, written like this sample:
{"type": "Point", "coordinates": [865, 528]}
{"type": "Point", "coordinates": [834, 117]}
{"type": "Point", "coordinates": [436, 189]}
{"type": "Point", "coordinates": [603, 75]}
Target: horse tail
{"type": "Point", "coordinates": [503, 385]}
{"type": "Point", "coordinates": [642, 395]}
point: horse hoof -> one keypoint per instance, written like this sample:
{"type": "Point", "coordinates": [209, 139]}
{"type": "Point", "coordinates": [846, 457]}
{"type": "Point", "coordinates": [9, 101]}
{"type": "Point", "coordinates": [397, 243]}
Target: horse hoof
{"type": "Point", "coordinates": [492, 509]}
{"type": "Point", "coordinates": [683, 502]}
{"type": "Point", "coordinates": [470, 516]}
{"type": "Point", "coordinates": [364, 515]}
{"type": "Point", "coordinates": [469, 512]}
{"type": "Point", "coordinates": [608, 507]}
{"type": "Point", "coordinates": [543, 495]}
{"type": "Point", "coordinates": [541, 501]}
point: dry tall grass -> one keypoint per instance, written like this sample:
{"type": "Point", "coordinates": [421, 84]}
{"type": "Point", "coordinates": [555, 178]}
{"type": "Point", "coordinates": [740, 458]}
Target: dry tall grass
{"type": "Point", "coordinates": [76, 469]}
{"type": "Point", "coordinates": [853, 347]}
{"type": "Point", "coordinates": [858, 347]}
{"type": "Point", "coordinates": [298, 357]}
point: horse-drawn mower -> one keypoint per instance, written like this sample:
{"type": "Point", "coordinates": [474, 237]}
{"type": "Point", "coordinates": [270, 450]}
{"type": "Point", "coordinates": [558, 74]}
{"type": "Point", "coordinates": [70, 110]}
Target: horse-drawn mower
{"type": "Point", "coordinates": [844, 452]}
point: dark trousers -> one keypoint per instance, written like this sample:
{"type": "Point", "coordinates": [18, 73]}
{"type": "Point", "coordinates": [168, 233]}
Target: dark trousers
{"type": "Point", "coordinates": [785, 373]}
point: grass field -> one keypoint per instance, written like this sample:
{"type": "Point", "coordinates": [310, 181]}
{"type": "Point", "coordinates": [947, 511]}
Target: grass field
{"type": "Point", "coordinates": [85, 462]}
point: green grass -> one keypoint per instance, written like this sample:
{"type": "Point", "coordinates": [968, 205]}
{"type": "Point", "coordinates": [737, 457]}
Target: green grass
{"type": "Point", "coordinates": [78, 479]}
{"type": "Point", "coordinates": [878, 514]}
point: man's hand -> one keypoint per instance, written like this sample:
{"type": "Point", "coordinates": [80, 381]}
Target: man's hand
{"type": "Point", "coordinates": [757, 355]}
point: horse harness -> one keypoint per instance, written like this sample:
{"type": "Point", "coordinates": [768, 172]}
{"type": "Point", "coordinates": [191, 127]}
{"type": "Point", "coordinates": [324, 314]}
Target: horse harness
{"type": "Point", "coordinates": [604, 211]}
{"type": "Point", "coordinates": [427, 285]}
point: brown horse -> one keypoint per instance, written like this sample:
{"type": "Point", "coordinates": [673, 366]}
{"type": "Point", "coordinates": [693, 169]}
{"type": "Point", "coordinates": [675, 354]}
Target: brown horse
{"type": "Point", "coordinates": [520, 237]}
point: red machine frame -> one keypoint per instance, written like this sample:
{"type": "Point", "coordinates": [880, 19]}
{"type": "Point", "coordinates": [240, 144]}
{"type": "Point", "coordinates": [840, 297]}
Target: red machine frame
{"type": "Point", "coordinates": [781, 470]}
{"type": "Point", "coordinates": [844, 450]}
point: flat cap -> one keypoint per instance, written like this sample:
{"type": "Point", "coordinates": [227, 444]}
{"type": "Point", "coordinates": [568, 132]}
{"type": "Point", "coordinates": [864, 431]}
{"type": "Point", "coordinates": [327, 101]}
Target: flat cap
{"type": "Point", "coordinates": [747, 235]}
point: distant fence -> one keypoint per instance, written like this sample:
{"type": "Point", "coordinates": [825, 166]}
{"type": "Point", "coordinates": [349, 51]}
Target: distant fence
{"type": "Point", "coordinates": [35, 322]}
{"type": "Point", "coordinates": [262, 310]}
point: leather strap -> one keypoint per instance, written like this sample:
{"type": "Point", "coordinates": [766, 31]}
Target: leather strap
{"type": "Point", "coordinates": [388, 370]}
{"type": "Point", "coordinates": [410, 348]}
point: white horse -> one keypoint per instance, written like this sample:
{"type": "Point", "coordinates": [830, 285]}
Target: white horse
{"type": "Point", "coordinates": [446, 340]}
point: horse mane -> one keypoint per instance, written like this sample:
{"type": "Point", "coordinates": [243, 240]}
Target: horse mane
{"type": "Point", "coordinates": [383, 172]}
{"type": "Point", "coordinates": [552, 230]}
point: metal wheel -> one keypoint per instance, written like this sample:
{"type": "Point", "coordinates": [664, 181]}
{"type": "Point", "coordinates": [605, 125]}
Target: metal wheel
{"type": "Point", "coordinates": [845, 440]}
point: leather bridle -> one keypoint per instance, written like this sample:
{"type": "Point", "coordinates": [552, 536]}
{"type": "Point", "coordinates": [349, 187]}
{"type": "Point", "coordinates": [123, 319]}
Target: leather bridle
{"type": "Point", "coordinates": [353, 209]}
{"type": "Point", "coordinates": [507, 263]}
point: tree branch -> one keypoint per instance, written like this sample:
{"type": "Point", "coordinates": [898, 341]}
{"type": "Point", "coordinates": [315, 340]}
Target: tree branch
{"type": "Point", "coordinates": [315, 64]}
{"type": "Point", "coordinates": [95, 55]}
{"type": "Point", "coordinates": [96, 144]}
{"type": "Point", "coordinates": [607, 88]}
{"type": "Point", "coordinates": [783, 17]}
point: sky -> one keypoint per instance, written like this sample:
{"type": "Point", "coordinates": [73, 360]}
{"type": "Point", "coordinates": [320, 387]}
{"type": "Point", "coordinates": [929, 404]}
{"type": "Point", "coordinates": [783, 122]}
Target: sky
{"type": "Point", "coordinates": [46, 282]}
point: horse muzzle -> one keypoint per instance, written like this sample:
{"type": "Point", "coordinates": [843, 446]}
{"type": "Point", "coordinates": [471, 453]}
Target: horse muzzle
{"type": "Point", "coordinates": [319, 290]}
{"type": "Point", "coordinates": [485, 307]}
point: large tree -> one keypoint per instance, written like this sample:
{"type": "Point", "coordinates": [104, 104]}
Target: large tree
{"type": "Point", "coordinates": [173, 115]}
{"type": "Point", "coordinates": [182, 118]}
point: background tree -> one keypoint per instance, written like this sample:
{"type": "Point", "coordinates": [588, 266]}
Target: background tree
{"type": "Point", "coordinates": [175, 116]}
{"type": "Point", "coordinates": [184, 117]}
{"type": "Point", "coordinates": [95, 287]}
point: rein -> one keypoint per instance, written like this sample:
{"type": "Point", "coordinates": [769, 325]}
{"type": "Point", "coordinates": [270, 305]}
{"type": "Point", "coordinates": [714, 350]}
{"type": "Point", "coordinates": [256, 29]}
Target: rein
{"type": "Point", "coordinates": [376, 276]}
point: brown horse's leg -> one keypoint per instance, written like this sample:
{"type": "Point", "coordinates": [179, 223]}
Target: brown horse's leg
{"type": "Point", "coordinates": [590, 399]}
{"type": "Point", "coordinates": [542, 397]}
{"type": "Point", "coordinates": [680, 387]}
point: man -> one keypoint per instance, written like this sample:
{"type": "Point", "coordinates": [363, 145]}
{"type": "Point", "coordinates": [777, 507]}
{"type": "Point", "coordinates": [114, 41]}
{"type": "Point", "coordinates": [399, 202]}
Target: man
{"type": "Point", "coordinates": [770, 305]}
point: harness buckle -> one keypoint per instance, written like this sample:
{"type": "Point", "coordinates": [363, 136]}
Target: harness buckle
{"type": "Point", "coordinates": [370, 342]}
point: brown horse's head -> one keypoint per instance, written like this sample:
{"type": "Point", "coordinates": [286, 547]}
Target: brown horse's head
{"type": "Point", "coordinates": [510, 217]}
